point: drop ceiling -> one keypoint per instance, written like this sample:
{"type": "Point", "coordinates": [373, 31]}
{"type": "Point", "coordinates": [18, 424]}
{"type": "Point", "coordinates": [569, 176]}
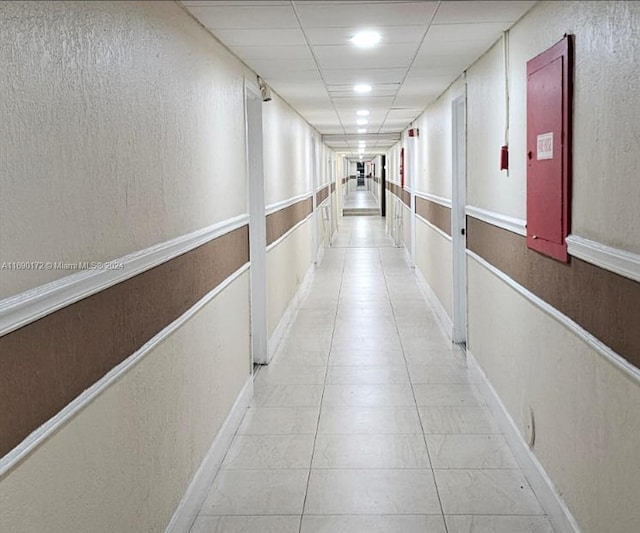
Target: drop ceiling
{"type": "Point", "coordinates": [302, 50]}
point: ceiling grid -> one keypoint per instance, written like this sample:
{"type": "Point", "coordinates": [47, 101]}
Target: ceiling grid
{"type": "Point", "coordinates": [303, 50]}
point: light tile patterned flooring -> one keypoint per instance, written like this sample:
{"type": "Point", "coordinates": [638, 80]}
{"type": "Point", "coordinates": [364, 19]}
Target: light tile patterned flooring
{"type": "Point", "coordinates": [366, 420]}
{"type": "Point", "coordinates": [360, 199]}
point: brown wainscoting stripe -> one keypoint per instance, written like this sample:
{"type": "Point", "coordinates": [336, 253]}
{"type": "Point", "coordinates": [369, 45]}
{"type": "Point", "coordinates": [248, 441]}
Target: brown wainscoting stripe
{"type": "Point", "coordinates": [46, 364]}
{"type": "Point", "coordinates": [405, 196]}
{"type": "Point", "coordinates": [438, 215]}
{"type": "Point", "coordinates": [322, 195]}
{"type": "Point", "coordinates": [605, 304]}
{"type": "Point", "coordinates": [280, 222]}
{"type": "Point", "coordinates": [333, 187]}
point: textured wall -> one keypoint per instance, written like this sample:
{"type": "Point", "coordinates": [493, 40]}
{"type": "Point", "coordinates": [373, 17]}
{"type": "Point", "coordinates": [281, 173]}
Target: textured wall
{"type": "Point", "coordinates": [606, 117]}
{"type": "Point", "coordinates": [433, 258]}
{"type": "Point", "coordinates": [587, 412]}
{"type": "Point", "coordinates": [288, 145]}
{"type": "Point", "coordinates": [124, 462]}
{"type": "Point", "coordinates": [287, 263]}
{"type": "Point", "coordinates": [434, 144]}
{"type": "Point", "coordinates": [122, 125]}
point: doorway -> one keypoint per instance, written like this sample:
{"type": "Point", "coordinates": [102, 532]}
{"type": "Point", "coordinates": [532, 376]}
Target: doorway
{"type": "Point", "coordinates": [458, 220]}
{"type": "Point", "coordinates": [257, 225]}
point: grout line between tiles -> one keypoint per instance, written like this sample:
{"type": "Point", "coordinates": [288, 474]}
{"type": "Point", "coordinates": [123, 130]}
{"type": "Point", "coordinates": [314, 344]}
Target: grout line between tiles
{"type": "Point", "coordinates": [424, 438]}
{"type": "Point", "coordinates": [315, 438]}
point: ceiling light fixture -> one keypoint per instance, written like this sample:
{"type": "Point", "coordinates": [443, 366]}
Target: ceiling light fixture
{"type": "Point", "coordinates": [362, 130]}
{"type": "Point", "coordinates": [362, 122]}
{"type": "Point", "coordinates": [366, 39]}
{"type": "Point", "coordinates": [362, 113]}
{"type": "Point", "coordinates": [362, 88]}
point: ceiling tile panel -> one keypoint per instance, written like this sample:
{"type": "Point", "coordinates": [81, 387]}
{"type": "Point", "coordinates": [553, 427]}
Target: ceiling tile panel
{"type": "Point", "coordinates": [388, 34]}
{"type": "Point", "coordinates": [353, 76]}
{"type": "Point", "coordinates": [365, 14]}
{"type": "Point", "coordinates": [350, 57]}
{"type": "Point", "coordinates": [256, 37]}
{"type": "Point", "coordinates": [244, 16]}
{"type": "Point", "coordinates": [269, 38]}
{"type": "Point", "coordinates": [270, 52]}
{"type": "Point", "coordinates": [475, 11]}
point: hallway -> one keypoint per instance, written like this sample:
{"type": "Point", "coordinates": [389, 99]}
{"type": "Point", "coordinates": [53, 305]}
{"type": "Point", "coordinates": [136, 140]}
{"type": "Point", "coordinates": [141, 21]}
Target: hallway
{"type": "Point", "coordinates": [200, 329]}
{"type": "Point", "coordinates": [360, 199]}
{"type": "Point", "coordinates": [366, 420]}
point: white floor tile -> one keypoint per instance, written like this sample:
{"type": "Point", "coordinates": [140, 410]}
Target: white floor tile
{"type": "Point", "coordinates": [369, 420]}
{"type": "Point", "coordinates": [490, 492]}
{"type": "Point", "coordinates": [498, 524]}
{"type": "Point", "coordinates": [372, 492]}
{"type": "Point", "coordinates": [457, 420]}
{"type": "Point", "coordinates": [373, 524]}
{"type": "Point", "coordinates": [288, 374]}
{"type": "Point", "coordinates": [370, 451]}
{"type": "Point", "coordinates": [367, 375]}
{"type": "Point", "coordinates": [448, 394]}
{"type": "Point", "coordinates": [246, 524]}
{"type": "Point", "coordinates": [394, 395]}
{"type": "Point", "coordinates": [286, 395]}
{"type": "Point", "coordinates": [470, 451]}
{"type": "Point", "coordinates": [266, 452]}
{"type": "Point", "coordinates": [438, 373]}
{"type": "Point", "coordinates": [257, 492]}
{"type": "Point", "coordinates": [280, 420]}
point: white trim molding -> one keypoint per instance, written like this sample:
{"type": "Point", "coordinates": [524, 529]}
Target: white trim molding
{"type": "Point", "coordinates": [548, 496]}
{"type": "Point", "coordinates": [433, 227]}
{"type": "Point", "coordinates": [515, 225]}
{"type": "Point", "coordinates": [29, 306]}
{"type": "Point", "coordinates": [277, 206]}
{"type": "Point", "coordinates": [440, 200]}
{"type": "Point", "coordinates": [595, 343]}
{"type": "Point", "coordinates": [37, 437]}
{"type": "Point", "coordinates": [187, 511]}
{"type": "Point", "coordinates": [615, 260]}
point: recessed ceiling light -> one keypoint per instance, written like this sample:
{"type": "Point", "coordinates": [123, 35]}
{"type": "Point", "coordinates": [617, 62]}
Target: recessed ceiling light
{"type": "Point", "coordinates": [362, 130]}
{"type": "Point", "coordinates": [362, 113]}
{"type": "Point", "coordinates": [362, 122]}
{"type": "Point", "coordinates": [362, 88]}
{"type": "Point", "coordinates": [366, 39]}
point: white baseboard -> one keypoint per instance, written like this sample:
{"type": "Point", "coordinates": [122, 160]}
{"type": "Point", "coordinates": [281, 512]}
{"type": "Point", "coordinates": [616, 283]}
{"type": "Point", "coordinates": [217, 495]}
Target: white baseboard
{"type": "Point", "coordinates": [551, 502]}
{"type": "Point", "coordinates": [444, 320]}
{"type": "Point", "coordinates": [290, 312]}
{"type": "Point", "coordinates": [187, 511]}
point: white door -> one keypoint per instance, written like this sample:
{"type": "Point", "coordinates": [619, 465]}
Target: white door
{"type": "Point", "coordinates": [257, 225]}
{"type": "Point", "coordinates": [458, 220]}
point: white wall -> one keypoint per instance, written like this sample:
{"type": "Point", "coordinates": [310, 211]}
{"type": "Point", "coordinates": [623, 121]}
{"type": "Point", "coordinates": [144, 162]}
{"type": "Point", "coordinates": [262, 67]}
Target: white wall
{"type": "Point", "coordinates": [586, 411]}
{"type": "Point", "coordinates": [585, 408]}
{"type": "Point", "coordinates": [123, 127]}
{"type": "Point", "coordinates": [112, 149]}
{"type": "Point", "coordinates": [124, 461]}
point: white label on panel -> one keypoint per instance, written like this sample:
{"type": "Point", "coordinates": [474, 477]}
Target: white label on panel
{"type": "Point", "coordinates": [545, 146]}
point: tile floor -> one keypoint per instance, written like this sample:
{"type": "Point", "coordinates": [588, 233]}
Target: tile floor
{"type": "Point", "coordinates": [366, 421]}
{"type": "Point", "coordinates": [360, 199]}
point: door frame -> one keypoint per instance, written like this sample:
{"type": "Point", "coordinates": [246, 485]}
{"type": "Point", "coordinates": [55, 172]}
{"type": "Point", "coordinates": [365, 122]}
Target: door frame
{"type": "Point", "coordinates": [458, 218]}
{"type": "Point", "coordinates": [257, 223]}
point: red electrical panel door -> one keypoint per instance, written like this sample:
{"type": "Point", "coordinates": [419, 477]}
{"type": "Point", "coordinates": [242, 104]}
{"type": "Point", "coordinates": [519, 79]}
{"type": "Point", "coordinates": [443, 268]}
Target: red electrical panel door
{"type": "Point", "coordinates": [548, 150]}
